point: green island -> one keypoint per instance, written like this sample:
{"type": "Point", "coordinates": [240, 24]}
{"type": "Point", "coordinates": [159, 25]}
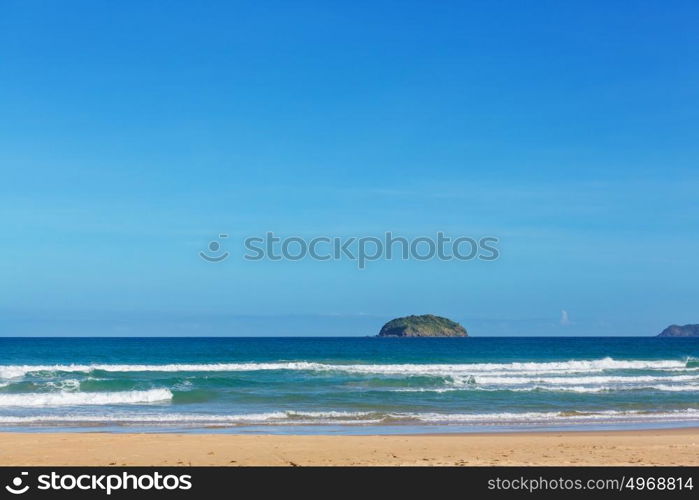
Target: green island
{"type": "Point", "coordinates": [426, 325]}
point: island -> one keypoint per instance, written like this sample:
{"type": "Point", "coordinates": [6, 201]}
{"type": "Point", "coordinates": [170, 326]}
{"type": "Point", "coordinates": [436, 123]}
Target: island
{"type": "Point", "coordinates": [680, 331]}
{"type": "Point", "coordinates": [426, 325]}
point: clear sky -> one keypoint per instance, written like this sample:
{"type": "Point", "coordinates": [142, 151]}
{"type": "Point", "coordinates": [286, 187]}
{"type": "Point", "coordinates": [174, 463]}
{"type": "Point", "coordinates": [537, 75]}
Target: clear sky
{"type": "Point", "coordinates": [133, 133]}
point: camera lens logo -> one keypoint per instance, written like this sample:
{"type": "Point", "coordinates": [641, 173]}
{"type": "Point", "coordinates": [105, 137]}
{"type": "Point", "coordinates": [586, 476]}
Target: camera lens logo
{"type": "Point", "coordinates": [215, 247]}
{"type": "Point", "coordinates": [16, 487]}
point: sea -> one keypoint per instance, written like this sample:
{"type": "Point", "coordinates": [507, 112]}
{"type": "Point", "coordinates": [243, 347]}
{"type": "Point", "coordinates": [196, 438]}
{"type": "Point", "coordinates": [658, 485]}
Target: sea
{"type": "Point", "coordinates": [347, 385]}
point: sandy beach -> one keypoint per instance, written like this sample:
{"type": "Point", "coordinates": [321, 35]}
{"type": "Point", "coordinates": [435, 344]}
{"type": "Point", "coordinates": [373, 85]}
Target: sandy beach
{"type": "Point", "coordinates": [644, 447]}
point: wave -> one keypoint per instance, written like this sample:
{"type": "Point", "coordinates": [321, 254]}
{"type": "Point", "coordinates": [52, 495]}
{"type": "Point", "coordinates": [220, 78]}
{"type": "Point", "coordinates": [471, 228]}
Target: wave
{"type": "Point", "coordinates": [611, 379]}
{"type": "Point", "coordinates": [553, 367]}
{"type": "Point", "coordinates": [359, 418]}
{"type": "Point", "coordinates": [84, 398]}
{"type": "Point", "coordinates": [610, 415]}
{"type": "Point", "coordinates": [582, 384]}
{"type": "Point", "coordinates": [579, 389]}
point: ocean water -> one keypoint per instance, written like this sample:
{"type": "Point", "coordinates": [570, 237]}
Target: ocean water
{"type": "Point", "coordinates": [346, 385]}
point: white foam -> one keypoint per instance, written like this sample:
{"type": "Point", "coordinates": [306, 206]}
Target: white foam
{"type": "Point", "coordinates": [15, 371]}
{"type": "Point", "coordinates": [562, 367]}
{"type": "Point", "coordinates": [84, 398]}
{"type": "Point", "coordinates": [580, 389]}
{"type": "Point", "coordinates": [277, 417]}
{"type": "Point", "coordinates": [586, 389]}
{"type": "Point", "coordinates": [65, 385]}
{"type": "Point", "coordinates": [675, 388]}
{"type": "Point", "coordinates": [554, 367]}
{"type": "Point", "coordinates": [611, 415]}
{"type": "Point", "coordinates": [611, 379]}
{"type": "Point", "coordinates": [592, 383]}
{"type": "Point", "coordinates": [359, 418]}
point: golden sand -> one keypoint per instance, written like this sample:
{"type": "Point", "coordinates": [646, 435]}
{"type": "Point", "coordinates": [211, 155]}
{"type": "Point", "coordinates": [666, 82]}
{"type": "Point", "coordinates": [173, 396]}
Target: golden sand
{"type": "Point", "coordinates": [646, 447]}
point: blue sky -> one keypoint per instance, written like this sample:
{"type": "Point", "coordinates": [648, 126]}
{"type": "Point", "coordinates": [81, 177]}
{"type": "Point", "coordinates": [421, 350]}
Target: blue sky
{"type": "Point", "coordinates": [133, 133]}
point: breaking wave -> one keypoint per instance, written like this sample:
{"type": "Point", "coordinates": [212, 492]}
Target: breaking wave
{"type": "Point", "coordinates": [85, 398]}
{"type": "Point", "coordinates": [556, 367]}
{"type": "Point", "coordinates": [359, 418]}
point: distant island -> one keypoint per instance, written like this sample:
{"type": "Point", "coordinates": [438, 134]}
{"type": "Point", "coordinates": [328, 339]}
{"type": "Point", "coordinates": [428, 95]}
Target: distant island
{"type": "Point", "coordinates": [680, 331]}
{"type": "Point", "coordinates": [426, 325]}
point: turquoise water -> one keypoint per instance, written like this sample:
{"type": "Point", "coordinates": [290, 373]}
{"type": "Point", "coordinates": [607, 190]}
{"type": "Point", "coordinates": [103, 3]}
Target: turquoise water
{"type": "Point", "coordinates": [346, 385]}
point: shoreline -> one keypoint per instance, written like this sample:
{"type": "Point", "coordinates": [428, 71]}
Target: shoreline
{"type": "Point", "coordinates": [675, 446]}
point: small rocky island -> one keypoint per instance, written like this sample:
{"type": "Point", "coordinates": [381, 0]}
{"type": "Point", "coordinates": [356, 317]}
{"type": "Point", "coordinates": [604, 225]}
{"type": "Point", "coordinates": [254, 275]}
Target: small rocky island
{"type": "Point", "coordinates": [680, 331]}
{"type": "Point", "coordinates": [426, 325]}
